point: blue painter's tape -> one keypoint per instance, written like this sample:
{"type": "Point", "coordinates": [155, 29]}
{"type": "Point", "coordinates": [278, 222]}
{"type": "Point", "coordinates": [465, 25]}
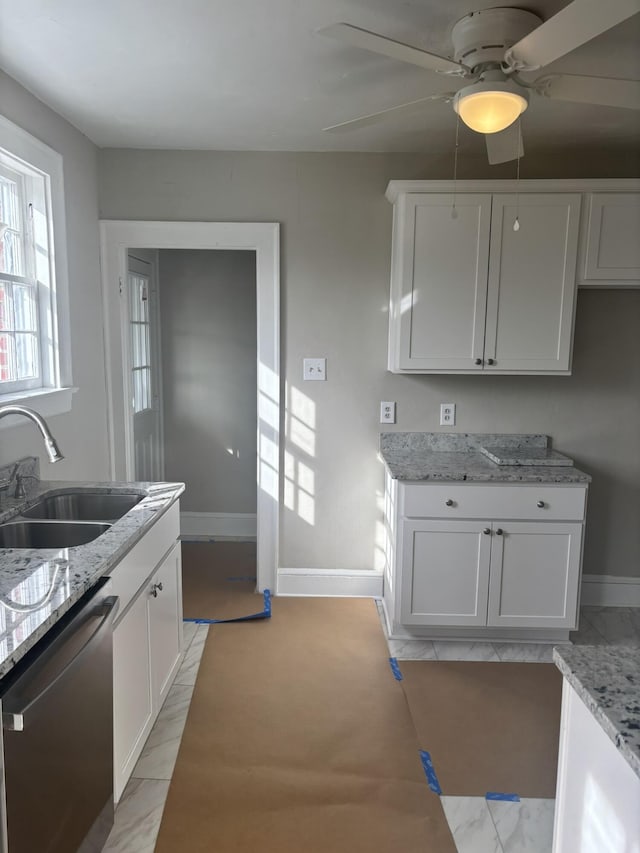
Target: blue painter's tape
{"type": "Point", "coordinates": [395, 669]}
{"type": "Point", "coordinates": [429, 772]}
{"type": "Point", "coordinates": [265, 614]}
{"type": "Point", "coordinates": [496, 795]}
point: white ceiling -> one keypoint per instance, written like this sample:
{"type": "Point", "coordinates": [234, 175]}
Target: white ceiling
{"type": "Point", "coordinates": [255, 75]}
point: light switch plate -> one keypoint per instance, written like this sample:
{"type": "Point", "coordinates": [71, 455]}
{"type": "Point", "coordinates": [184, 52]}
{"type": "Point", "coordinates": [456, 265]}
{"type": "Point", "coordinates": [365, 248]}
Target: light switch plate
{"type": "Point", "coordinates": [314, 369]}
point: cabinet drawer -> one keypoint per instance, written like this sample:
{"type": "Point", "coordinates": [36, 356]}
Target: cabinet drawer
{"type": "Point", "coordinates": [134, 569]}
{"type": "Point", "coordinates": [453, 500]}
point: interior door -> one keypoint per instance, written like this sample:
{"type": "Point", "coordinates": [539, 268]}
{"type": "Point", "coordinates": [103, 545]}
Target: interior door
{"type": "Point", "coordinates": [145, 369]}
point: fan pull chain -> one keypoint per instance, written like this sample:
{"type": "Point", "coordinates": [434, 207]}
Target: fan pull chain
{"type": "Point", "coordinates": [516, 223]}
{"type": "Point", "coordinates": [454, 212]}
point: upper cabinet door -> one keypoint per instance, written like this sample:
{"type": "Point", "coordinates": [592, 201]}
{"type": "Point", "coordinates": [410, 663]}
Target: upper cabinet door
{"type": "Point", "coordinates": [610, 250]}
{"type": "Point", "coordinates": [532, 283]}
{"type": "Point", "coordinates": [439, 278]}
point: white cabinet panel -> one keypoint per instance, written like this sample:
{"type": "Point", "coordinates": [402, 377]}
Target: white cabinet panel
{"type": "Point", "coordinates": [132, 704]}
{"type": "Point", "coordinates": [531, 289]}
{"type": "Point", "coordinates": [147, 639]}
{"type": "Point", "coordinates": [535, 570]}
{"type": "Point", "coordinates": [445, 573]}
{"type": "Point", "coordinates": [439, 296]}
{"type": "Point", "coordinates": [598, 794]}
{"type": "Point", "coordinates": [610, 246]}
{"type": "Point", "coordinates": [165, 622]}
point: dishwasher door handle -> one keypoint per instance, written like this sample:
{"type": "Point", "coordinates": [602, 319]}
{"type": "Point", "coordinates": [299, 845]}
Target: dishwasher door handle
{"type": "Point", "coordinates": [13, 718]}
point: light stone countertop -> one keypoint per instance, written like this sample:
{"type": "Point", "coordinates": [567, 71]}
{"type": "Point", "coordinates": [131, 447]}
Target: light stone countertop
{"type": "Point", "coordinates": [457, 457]}
{"type": "Point", "coordinates": [607, 679]}
{"type": "Point", "coordinates": [39, 585]}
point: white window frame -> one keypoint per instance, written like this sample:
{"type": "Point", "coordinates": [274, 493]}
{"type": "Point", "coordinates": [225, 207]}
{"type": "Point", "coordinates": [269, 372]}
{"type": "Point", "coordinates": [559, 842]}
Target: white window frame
{"type": "Point", "coordinates": [29, 156]}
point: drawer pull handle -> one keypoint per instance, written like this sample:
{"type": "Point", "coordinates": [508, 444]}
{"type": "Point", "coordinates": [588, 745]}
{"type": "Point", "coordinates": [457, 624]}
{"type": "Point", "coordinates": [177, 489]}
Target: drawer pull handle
{"type": "Point", "coordinates": [540, 504]}
{"type": "Point", "coordinates": [499, 531]}
{"type": "Point", "coordinates": [477, 361]}
{"type": "Point", "coordinates": [449, 502]}
{"type": "Point", "coordinates": [487, 531]}
{"type": "Point", "coordinates": [490, 361]}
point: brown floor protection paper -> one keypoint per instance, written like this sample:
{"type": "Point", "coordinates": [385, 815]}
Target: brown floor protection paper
{"type": "Point", "coordinates": [208, 592]}
{"type": "Point", "coordinates": [299, 740]}
{"type": "Point", "coordinates": [487, 726]}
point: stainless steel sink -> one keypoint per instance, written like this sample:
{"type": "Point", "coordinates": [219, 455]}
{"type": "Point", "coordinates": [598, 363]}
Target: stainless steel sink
{"type": "Point", "coordinates": [84, 506]}
{"type": "Point", "coordinates": [49, 534]}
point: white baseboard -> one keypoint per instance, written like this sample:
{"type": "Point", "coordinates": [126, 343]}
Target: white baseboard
{"type": "Point", "coordinates": [331, 582]}
{"type": "Point", "coordinates": [610, 591]}
{"type": "Point", "coordinates": [217, 524]}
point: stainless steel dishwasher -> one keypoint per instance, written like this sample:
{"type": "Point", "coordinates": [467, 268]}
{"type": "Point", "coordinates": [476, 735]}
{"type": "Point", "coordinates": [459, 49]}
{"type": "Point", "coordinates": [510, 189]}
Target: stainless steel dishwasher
{"type": "Point", "coordinates": [57, 720]}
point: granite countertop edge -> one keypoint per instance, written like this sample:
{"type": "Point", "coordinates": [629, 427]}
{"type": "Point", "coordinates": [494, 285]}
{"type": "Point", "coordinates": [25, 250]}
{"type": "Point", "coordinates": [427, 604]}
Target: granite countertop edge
{"type": "Point", "coordinates": [458, 457]}
{"type": "Point", "coordinates": [83, 565]}
{"type": "Point", "coordinates": [597, 674]}
{"type": "Point", "coordinates": [472, 467]}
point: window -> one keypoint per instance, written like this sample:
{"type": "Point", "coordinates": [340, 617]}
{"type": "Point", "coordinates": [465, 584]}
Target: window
{"type": "Point", "coordinates": [33, 352]}
{"type": "Point", "coordinates": [140, 341]}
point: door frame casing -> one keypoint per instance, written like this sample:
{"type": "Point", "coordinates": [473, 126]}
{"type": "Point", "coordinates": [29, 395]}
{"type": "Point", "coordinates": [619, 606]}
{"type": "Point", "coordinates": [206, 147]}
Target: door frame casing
{"type": "Point", "coordinates": [116, 238]}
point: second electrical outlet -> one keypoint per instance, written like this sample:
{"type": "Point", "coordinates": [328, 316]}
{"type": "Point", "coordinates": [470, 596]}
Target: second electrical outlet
{"type": "Point", "coordinates": [447, 414]}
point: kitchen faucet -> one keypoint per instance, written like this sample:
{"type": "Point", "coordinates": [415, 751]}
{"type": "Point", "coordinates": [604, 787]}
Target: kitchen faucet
{"type": "Point", "coordinates": [53, 451]}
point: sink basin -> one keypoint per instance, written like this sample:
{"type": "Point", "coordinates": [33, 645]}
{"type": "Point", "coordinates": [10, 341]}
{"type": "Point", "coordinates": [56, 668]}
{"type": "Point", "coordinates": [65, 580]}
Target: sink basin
{"type": "Point", "coordinates": [49, 534]}
{"type": "Point", "coordinates": [83, 506]}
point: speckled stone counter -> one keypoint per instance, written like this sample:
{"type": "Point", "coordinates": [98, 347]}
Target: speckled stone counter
{"type": "Point", "coordinates": [37, 586]}
{"type": "Point", "coordinates": [607, 679]}
{"type": "Point", "coordinates": [451, 457]}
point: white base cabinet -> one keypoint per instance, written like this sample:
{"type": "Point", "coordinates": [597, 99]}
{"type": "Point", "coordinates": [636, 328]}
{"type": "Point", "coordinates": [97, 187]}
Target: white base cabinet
{"type": "Point", "coordinates": [147, 639]}
{"type": "Point", "coordinates": [483, 558]}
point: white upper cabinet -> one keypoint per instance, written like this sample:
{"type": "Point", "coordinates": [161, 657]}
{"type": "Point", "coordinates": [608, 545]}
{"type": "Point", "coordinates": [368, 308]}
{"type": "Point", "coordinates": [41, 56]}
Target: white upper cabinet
{"type": "Point", "coordinates": [531, 283]}
{"type": "Point", "coordinates": [469, 294]}
{"type": "Point", "coordinates": [439, 290]}
{"type": "Point", "coordinates": [610, 244]}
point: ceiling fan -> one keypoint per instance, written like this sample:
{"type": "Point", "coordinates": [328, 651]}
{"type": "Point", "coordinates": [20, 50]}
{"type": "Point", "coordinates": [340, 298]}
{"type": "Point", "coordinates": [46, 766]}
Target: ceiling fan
{"type": "Point", "coordinates": [491, 48]}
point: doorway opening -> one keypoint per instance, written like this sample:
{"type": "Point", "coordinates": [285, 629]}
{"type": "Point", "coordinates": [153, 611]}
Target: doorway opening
{"type": "Point", "coordinates": [136, 356]}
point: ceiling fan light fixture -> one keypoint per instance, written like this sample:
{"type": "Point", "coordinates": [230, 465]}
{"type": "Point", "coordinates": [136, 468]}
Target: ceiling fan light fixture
{"type": "Point", "coordinates": [489, 107]}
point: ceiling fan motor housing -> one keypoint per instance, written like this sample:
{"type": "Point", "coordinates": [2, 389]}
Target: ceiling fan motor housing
{"type": "Point", "coordinates": [484, 36]}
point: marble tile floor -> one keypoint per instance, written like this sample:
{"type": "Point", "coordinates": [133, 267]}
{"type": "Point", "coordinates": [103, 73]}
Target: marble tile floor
{"type": "Point", "coordinates": [598, 625]}
{"type": "Point", "coordinates": [477, 825]}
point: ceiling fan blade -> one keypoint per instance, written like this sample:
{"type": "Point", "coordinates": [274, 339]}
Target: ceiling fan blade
{"type": "Point", "coordinates": [505, 145]}
{"type": "Point", "coordinates": [591, 90]}
{"type": "Point", "coordinates": [366, 40]}
{"type": "Point", "coordinates": [577, 23]}
{"type": "Point", "coordinates": [374, 118]}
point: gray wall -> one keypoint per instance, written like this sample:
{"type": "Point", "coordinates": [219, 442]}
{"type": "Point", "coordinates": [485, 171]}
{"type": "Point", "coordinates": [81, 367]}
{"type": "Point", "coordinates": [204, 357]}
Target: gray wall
{"type": "Point", "coordinates": [82, 434]}
{"type": "Point", "coordinates": [208, 331]}
{"type": "Point", "coordinates": [336, 240]}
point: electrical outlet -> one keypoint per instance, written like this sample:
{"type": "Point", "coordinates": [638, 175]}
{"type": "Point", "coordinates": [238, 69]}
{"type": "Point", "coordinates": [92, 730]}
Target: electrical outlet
{"type": "Point", "coordinates": [447, 414]}
{"type": "Point", "coordinates": [387, 413]}
{"type": "Point", "coordinates": [315, 369]}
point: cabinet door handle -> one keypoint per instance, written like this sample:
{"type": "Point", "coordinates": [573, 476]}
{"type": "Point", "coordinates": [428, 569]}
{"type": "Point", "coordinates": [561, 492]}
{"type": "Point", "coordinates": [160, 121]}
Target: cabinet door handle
{"type": "Point", "coordinates": [490, 361]}
{"type": "Point", "coordinates": [487, 531]}
{"type": "Point", "coordinates": [540, 504]}
{"type": "Point", "coordinates": [448, 502]}
{"type": "Point", "coordinates": [477, 361]}
{"type": "Point", "coordinates": [157, 587]}
{"type": "Point", "coordinates": [499, 531]}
